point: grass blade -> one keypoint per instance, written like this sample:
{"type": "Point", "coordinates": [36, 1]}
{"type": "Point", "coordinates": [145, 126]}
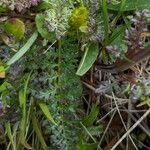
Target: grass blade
{"type": "Point", "coordinates": [89, 120]}
{"type": "Point", "coordinates": [23, 122]}
{"type": "Point", "coordinates": [38, 131]}
{"type": "Point", "coordinates": [10, 136]}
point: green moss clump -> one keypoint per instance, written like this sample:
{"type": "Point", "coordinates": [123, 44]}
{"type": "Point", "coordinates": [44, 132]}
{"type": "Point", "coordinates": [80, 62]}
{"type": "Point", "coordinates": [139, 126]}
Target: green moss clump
{"type": "Point", "coordinates": [15, 27]}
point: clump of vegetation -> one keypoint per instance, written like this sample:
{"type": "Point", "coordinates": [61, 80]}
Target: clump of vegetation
{"type": "Point", "coordinates": [74, 74]}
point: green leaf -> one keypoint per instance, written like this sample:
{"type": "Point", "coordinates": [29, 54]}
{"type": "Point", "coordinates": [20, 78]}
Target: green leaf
{"type": "Point", "coordinates": [46, 111]}
{"type": "Point", "coordinates": [4, 86]}
{"type": "Point", "coordinates": [10, 136]}
{"type": "Point", "coordinates": [23, 121]}
{"type": "Point", "coordinates": [87, 146]}
{"type": "Point", "coordinates": [23, 92]}
{"type": "Point", "coordinates": [144, 100]}
{"type": "Point", "coordinates": [117, 38]}
{"type": "Point", "coordinates": [105, 17]}
{"type": "Point", "coordinates": [131, 5]}
{"type": "Point", "coordinates": [15, 27]}
{"type": "Point", "coordinates": [88, 58]}
{"type": "Point", "coordinates": [116, 33]}
{"type": "Point", "coordinates": [89, 120]}
{"type": "Point", "coordinates": [38, 131]}
{"type": "Point", "coordinates": [40, 19]}
{"type": "Point", "coordinates": [43, 6]}
{"type": "Point", "coordinates": [2, 71]}
{"type": "Point", "coordinates": [24, 49]}
{"type": "Point", "coordinates": [21, 98]}
{"type": "Point", "coordinates": [3, 9]}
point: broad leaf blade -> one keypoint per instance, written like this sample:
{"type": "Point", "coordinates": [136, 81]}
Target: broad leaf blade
{"type": "Point", "coordinates": [88, 59]}
{"type": "Point", "coordinates": [40, 19]}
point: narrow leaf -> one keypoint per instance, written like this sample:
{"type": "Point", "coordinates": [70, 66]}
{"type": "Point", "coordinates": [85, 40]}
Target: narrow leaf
{"type": "Point", "coordinates": [38, 131]}
{"type": "Point", "coordinates": [21, 98]}
{"type": "Point", "coordinates": [10, 136]}
{"type": "Point", "coordinates": [116, 33]}
{"type": "Point", "coordinates": [105, 19]}
{"type": "Point", "coordinates": [24, 49]}
{"type": "Point", "coordinates": [23, 121]}
{"type": "Point", "coordinates": [87, 146]}
{"type": "Point", "coordinates": [46, 112]}
{"type": "Point", "coordinates": [4, 86]}
{"type": "Point", "coordinates": [2, 71]}
{"type": "Point", "coordinates": [88, 121]}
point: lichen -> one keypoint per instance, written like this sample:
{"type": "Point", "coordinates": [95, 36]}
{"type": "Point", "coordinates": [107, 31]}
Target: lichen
{"type": "Point", "coordinates": [19, 5]}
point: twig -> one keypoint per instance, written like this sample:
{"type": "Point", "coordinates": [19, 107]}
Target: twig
{"type": "Point", "coordinates": [114, 109]}
{"type": "Point", "coordinates": [87, 132]}
{"type": "Point", "coordinates": [131, 129]}
{"type": "Point", "coordinates": [128, 123]}
{"type": "Point", "coordinates": [140, 125]}
{"type": "Point", "coordinates": [117, 98]}
{"type": "Point", "coordinates": [106, 129]}
{"type": "Point", "coordinates": [133, 111]}
{"type": "Point", "coordinates": [49, 47]}
{"type": "Point", "coordinates": [123, 121]}
{"type": "Point", "coordinates": [89, 86]}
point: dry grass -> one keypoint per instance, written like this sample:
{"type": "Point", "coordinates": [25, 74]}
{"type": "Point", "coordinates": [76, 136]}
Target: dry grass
{"type": "Point", "coordinates": [129, 117]}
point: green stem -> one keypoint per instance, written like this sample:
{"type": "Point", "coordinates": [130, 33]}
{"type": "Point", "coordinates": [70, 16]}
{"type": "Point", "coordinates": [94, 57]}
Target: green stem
{"type": "Point", "coordinates": [106, 21]}
{"type": "Point", "coordinates": [59, 61]}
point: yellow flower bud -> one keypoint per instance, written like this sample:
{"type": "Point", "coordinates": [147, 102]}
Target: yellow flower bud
{"type": "Point", "coordinates": [79, 17]}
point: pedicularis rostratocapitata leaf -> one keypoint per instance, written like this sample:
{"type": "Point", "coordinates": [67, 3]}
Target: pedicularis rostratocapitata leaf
{"type": "Point", "coordinates": [89, 57]}
{"type": "Point", "coordinates": [40, 19]}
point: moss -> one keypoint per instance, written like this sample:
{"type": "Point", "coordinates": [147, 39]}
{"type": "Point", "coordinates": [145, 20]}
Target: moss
{"type": "Point", "coordinates": [15, 27]}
